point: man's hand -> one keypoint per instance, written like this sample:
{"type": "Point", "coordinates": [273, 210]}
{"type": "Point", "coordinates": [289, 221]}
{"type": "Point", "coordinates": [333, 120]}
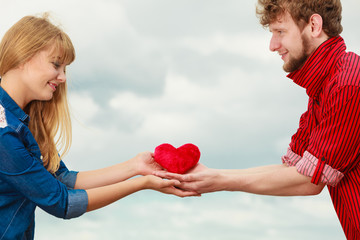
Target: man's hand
{"type": "Point", "coordinates": [200, 179]}
{"type": "Point", "coordinates": [167, 186]}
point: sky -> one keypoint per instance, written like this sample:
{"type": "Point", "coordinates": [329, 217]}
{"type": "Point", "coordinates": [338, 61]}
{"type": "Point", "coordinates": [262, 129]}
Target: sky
{"type": "Point", "coordinates": [149, 72]}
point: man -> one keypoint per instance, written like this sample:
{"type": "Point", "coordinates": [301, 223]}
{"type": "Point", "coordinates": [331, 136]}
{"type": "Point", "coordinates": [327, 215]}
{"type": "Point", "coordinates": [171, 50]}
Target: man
{"type": "Point", "coordinates": [325, 150]}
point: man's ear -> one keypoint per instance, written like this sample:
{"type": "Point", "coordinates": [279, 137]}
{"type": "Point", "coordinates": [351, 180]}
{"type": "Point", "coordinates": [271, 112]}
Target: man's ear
{"type": "Point", "coordinates": [316, 24]}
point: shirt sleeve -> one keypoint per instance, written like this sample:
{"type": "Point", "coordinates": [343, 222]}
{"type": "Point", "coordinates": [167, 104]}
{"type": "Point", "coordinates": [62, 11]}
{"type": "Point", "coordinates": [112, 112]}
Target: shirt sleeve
{"type": "Point", "coordinates": [308, 165]}
{"type": "Point", "coordinates": [300, 140]}
{"type": "Point", "coordinates": [26, 174]}
{"type": "Point", "coordinates": [334, 143]}
{"type": "Point", "coordinates": [65, 176]}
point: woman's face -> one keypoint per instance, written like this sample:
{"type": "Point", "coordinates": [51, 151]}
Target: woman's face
{"type": "Point", "coordinates": [42, 74]}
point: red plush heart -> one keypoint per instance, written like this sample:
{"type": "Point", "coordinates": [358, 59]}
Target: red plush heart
{"type": "Point", "coordinates": [177, 160]}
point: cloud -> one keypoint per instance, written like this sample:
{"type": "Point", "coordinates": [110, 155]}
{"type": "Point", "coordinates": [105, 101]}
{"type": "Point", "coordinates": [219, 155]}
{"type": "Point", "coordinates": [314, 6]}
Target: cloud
{"type": "Point", "coordinates": [189, 18]}
{"type": "Point", "coordinates": [156, 71]}
{"type": "Point", "coordinates": [250, 45]}
{"type": "Point", "coordinates": [188, 111]}
{"type": "Point", "coordinates": [213, 216]}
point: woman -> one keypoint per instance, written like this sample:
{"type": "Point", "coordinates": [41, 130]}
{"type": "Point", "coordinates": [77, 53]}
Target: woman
{"type": "Point", "coordinates": [33, 113]}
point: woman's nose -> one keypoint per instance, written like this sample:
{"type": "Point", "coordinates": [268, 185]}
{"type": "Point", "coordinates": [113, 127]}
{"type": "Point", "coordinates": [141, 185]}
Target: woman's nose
{"type": "Point", "coordinates": [62, 77]}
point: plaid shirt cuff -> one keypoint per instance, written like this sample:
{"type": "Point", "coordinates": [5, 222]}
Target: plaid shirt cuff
{"type": "Point", "coordinates": [290, 159]}
{"type": "Point", "coordinates": [308, 166]}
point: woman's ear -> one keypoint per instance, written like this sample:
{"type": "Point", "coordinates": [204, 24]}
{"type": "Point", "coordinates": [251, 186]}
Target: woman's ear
{"type": "Point", "coordinates": [21, 66]}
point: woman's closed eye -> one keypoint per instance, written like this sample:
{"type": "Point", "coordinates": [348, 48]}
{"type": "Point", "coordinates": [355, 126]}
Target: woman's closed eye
{"type": "Point", "coordinates": [56, 65]}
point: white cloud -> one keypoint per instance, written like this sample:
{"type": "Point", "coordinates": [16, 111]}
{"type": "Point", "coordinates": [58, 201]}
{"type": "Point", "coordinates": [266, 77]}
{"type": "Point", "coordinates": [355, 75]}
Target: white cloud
{"type": "Point", "coordinates": [250, 45]}
{"type": "Point", "coordinates": [180, 71]}
{"type": "Point", "coordinates": [212, 216]}
{"type": "Point", "coordinates": [185, 106]}
{"type": "Point", "coordinates": [83, 106]}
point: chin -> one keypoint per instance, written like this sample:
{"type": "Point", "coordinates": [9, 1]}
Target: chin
{"type": "Point", "coordinates": [286, 68]}
{"type": "Point", "coordinates": [47, 97]}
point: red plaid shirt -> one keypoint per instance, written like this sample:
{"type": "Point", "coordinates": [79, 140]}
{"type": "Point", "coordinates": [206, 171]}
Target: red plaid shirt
{"type": "Point", "coordinates": [326, 146]}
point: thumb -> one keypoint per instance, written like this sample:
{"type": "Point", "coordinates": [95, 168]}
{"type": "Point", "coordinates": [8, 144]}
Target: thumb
{"type": "Point", "coordinates": [174, 182]}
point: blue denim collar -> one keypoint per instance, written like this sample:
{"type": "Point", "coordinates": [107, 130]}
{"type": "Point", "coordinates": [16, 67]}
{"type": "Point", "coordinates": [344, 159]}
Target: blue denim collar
{"type": "Point", "coordinates": [8, 103]}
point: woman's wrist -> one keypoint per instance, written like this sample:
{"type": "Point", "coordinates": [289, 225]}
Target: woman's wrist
{"type": "Point", "coordinates": [144, 182]}
{"type": "Point", "coordinates": [132, 167]}
{"type": "Point", "coordinates": [140, 164]}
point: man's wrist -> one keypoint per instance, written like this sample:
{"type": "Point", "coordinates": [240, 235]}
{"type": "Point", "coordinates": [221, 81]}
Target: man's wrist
{"type": "Point", "coordinates": [229, 181]}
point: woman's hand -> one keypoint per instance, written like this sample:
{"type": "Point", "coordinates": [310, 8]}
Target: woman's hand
{"type": "Point", "coordinates": [105, 195]}
{"type": "Point", "coordinates": [166, 186]}
{"type": "Point", "coordinates": [145, 164]}
{"type": "Point", "coordinates": [200, 179]}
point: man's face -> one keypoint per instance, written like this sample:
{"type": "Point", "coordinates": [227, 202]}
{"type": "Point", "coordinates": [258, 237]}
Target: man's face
{"type": "Point", "coordinates": [292, 44]}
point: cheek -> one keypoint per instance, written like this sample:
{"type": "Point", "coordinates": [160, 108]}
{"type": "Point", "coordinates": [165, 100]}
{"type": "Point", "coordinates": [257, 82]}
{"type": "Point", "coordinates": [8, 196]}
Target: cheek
{"type": "Point", "coordinates": [46, 74]}
{"type": "Point", "coordinates": [296, 41]}
{"type": "Point", "coordinates": [298, 50]}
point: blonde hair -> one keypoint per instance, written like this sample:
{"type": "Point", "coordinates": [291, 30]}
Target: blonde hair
{"type": "Point", "coordinates": [50, 121]}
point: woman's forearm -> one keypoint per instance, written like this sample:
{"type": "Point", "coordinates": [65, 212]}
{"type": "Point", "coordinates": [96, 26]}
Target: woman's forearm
{"type": "Point", "coordinates": [103, 196]}
{"type": "Point", "coordinates": [105, 176]}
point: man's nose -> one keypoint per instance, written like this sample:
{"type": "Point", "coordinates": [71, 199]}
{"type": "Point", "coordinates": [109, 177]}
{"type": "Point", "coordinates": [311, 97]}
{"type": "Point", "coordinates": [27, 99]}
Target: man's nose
{"type": "Point", "coordinates": [274, 44]}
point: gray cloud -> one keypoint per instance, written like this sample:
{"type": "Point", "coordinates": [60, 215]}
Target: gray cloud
{"type": "Point", "coordinates": [156, 71]}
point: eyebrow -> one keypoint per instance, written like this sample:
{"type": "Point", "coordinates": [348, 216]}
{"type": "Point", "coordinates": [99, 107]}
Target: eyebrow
{"type": "Point", "coordinates": [55, 58]}
{"type": "Point", "coordinates": [277, 29]}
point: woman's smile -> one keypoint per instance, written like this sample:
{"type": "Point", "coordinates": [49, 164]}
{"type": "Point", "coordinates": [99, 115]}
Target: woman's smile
{"type": "Point", "coordinates": [53, 85]}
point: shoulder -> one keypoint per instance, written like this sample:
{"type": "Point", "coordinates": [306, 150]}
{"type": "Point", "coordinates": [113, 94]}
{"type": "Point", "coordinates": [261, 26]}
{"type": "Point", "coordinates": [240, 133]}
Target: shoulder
{"type": "Point", "coordinates": [8, 121]}
{"type": "Point", "coordinates": [344, 84]}
{"type": "Point", "coordinates": [3, 121]}
{"type": "Point", "coordinates": [18, 148]}
{"type": "Point", "coordinates": [12, 128]}
{"type": "Point", "coordinates": [348, 73]}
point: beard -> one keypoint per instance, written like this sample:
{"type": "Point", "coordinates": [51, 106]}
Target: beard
{"type": "Point", "coordinates": [296, 63]}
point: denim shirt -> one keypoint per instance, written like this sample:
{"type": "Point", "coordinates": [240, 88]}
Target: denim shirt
{"type": "Point", "coordinates": [24, 181]}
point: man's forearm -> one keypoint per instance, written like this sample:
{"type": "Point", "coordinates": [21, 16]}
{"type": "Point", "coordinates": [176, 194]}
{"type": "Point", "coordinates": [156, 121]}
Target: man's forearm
{"type": "Point", "coordinates": [277, 180]}
{"type": "Point", "coordinates": [260, 169]}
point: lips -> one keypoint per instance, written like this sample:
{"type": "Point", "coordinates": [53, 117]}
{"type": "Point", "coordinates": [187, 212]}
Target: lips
{"type": "Point", "coordinates": [53, 85]}
{"type": "Point", "coordinates": [283, 55]}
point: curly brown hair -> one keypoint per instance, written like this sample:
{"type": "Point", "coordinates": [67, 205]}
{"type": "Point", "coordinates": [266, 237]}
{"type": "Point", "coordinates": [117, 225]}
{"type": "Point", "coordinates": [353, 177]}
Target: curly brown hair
{"type": "Point", "coordinates": [269, 11]}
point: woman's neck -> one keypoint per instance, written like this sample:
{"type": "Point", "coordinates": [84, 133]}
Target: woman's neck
{"type": "Point", "coordinates": [10, 83]}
